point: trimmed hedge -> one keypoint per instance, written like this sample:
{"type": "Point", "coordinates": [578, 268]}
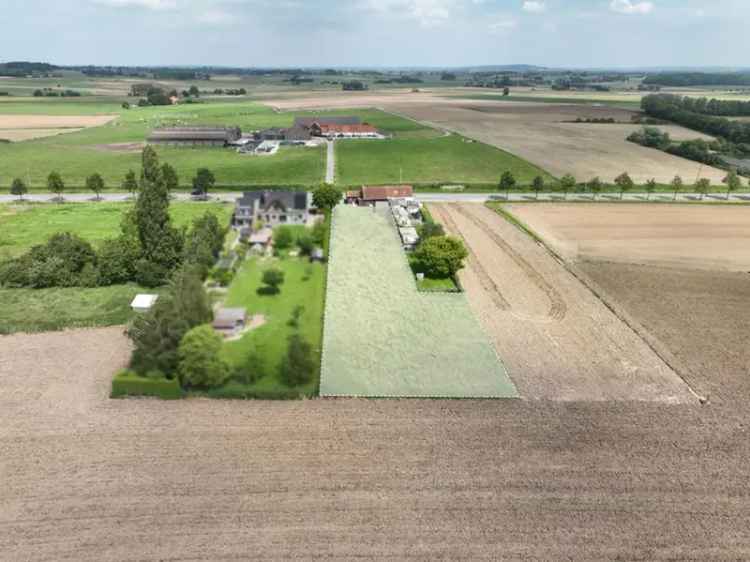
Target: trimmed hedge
{"type": "Point", "coordinates": [129, 383]}
{"type": "Point", "coordinates": [237, 391]}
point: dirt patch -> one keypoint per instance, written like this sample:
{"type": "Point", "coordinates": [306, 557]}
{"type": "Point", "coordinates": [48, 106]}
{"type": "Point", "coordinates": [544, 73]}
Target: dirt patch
{"type": "Point", "coordinates": [713, 237]}
{"type": "Point", "coordinates": [126, 147]}
{"type": "Point", "coordinates": [558, 340]}
{"type": "Point", "coordinates": [701, 316]}
{"type": "Point", "coordinates": [18, 128]}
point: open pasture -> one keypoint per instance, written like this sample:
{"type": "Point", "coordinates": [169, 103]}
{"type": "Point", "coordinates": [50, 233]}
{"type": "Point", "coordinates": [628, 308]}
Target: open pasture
{"type": "Point", "coordinates": [448, 159]}
{"type": "Point", "coordinates": [25, 225]}
{"type": "Point", "coordinates": [558, 340]}
{"type": "Point", "coordinates": [715, 237]}
{"type": "Point", "coordinates": [383, 338]}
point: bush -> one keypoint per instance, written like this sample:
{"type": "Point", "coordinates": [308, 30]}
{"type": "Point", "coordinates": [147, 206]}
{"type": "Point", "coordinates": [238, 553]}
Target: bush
{"type": "Point", "coordinates": [117, 260]}
{"type": "Point", "coordinates": [224, 277]}
{"type": "Point", "coordinates": [306, 244]}
{"type": "Point", "coordinates": [273, 278]}
{"type": "Point", "coordinates": [234, 390]}
{"type": "Point", "coordinates": [298, 366]}
{"type": "Point", "coordinates": [200, 363]}
{"type": "Point", "coordinates": [283, 238]}
{"type": "Point", "coordinates": [150, 274]}
{"type": "Point", "coordinates": [128, 383]}
{"type": "Point", "coordinates": [251, 370]}
{"type": "Point", "coordinates": [441, 256]}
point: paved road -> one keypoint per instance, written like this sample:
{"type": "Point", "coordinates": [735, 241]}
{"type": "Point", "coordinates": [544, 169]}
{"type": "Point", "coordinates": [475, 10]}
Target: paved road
{"type": "Point", "coordinates": [231, 196]}
{"type": "Point", "coordinates": [331, 163]}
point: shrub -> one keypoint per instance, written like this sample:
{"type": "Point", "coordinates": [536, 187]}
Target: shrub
{"type": "Point", "coordinates": [252, 369]}
{"type": "Point", "coordinates": [150, 274]}
{"type": "Point", "coordinates": [283, 238]}
{"type": "Point", "coordinates": [117, 260]}
{"type": "Point", "coordinates": [297, 367]}
{"type": "Point", "coordinates": [200, 362]}
{"type": "Point", "coordinates": [306, 244]}
{"type": "Point", "coordinates": [441, 256]}
{"type": "Point", "coordinates": [273, 278]}
{"type": "Point", "coordinates": [129, 383]}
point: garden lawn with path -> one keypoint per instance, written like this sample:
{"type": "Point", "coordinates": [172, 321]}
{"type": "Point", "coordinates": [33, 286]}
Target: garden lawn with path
{"type": "Point", "coordinates": [446, 159]}
{"type": "Point", "coordinates": [304, 285]}
{"type": "Point", "coordinates": [383, 338]}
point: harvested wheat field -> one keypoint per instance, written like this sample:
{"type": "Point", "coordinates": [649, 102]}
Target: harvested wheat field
{"type": "Point", "coordinates": [715, 237]}
{"type": "Point", "coordinates": [557, 339]}
{"type": "Point", "coordinates": [18, 128]}
{"type": "Point", "coordinates": [543, 135]}
{"type": "Point", "coordinates": [86, 478]}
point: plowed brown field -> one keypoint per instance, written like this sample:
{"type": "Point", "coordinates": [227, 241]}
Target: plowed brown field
{"type": "Point", "coordinates": [556, 337]}
{"type": "Point", "coordinates": [85, 478]}
{"type": "Point", "coordinates": [25, 127]}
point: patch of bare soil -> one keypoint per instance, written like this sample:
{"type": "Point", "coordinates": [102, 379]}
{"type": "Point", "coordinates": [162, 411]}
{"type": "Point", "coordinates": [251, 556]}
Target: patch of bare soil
{"type": "Point", "coordinates": [557, 339]}
{"type": "Point", "coordinates": [18, 128]}
{"type": "Point", "coordinates": [715, 237]}
{"type": "Point", "coordinates": [20, 135]}
{"type": "Point", "coordinates": [701, 316]}
{"type": "Point", "coordinates": [126, 147]}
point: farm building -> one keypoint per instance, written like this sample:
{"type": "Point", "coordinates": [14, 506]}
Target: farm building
{"type": "Point", "coordinates": [305, 128]}
{"type": "Point", "coordinates": [368, 195]}
{"type": "Point", "coordinates": [230, 320]}
{"type": "Point", "coordinates": [272, 208]}
{"type": "Point", "coordinates": [195, 136]}
{"type": "Point", "coordinates": [363, 130]}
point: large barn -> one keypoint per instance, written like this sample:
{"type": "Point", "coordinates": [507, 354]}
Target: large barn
{"type": "Point", "coordinates": [195, 136]}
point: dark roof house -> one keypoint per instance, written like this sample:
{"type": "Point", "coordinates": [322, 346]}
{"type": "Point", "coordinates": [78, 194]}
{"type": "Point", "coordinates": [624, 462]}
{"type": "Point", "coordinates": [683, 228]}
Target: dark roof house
{"type": "Point", "coordinates": [272, 208]}
{"type": "Point", "coordinates": [308, 122]}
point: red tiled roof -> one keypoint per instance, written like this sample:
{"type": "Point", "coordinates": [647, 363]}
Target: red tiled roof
{"type": "Point", "coordinates": [383, 192]}
{"type": "Point", "coordinates": [336, 129]}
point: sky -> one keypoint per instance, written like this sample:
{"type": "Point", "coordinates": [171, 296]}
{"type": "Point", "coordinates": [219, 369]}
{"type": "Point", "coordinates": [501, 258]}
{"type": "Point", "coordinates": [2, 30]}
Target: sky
{"type": "Point", "coordinates": [357, 33]}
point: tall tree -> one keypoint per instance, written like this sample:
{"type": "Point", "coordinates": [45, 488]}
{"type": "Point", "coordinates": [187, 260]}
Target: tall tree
{"type": "Point", "coordinates": [18, 188]}
{"type": "Point", "coordinates": [298, 366]}
{"type": "Point", "coordinates": [702, 186]}
{"type": "Point", "coordinates": [677, 185]}
{"type": "Point", "coordinates": [171, 179]}
{"type": "Point", "coordinates": [732, 181]}
{"type": "Point", "coordinates": [161, 243]}
{"type": "Point", "coordinates": [203, 181]}
{"type": "Point", "coordinates": [595, 185]}
{"type": "Point", "coordinates": [537, 185]}
{"type": "Point", "coordinates": [624, 182]}
{"type": "Point", "coordinates": [507, 182]}
{"type": "Point", "coordinates": [567, 182]}
{"type": "Point", "coordinates": [326, 197]}
{"type": "Point", "coordinates": [95, 183]}
{"type": "Point", "coordinates": [55, 184]}
{"type": "Point", "coordinates": [650, 188]}
{"type": "Point", "coordinates": [130, 183]}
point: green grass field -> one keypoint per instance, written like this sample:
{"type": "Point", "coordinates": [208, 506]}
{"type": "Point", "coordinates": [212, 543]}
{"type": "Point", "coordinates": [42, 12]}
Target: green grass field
{"type": "Point", "coordinates": [383, 338]}
{"type": "Point", "coordinates": [25, 225]}
{"type": "Point", "coordinates": [447, 159]}
{"type": "Point", "coordinates": [43, 310]}
{"type": "Point", "coordinates": [304, 285]}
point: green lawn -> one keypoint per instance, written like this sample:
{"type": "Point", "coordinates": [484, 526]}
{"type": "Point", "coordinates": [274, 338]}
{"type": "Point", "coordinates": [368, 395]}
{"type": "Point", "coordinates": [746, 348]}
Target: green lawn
{"type": "Point", "coordinates": [447, 159]}
{"type": "Point", "coordinates": [304, 285]}
{"type": "Point", "coordinates": [42, 310]}
{"type": "Point", "coordinates": [77, 155]}
{"type": "Point", "coordinates": [25, 225]}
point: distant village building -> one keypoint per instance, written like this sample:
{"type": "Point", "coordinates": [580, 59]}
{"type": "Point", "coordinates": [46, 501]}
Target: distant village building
{"type": "Point", "coordinates": [272, 208]}
{"type": "Point", "coordinates": [368, 195]}
{"type": "Point", "coordinates": [195, 136]}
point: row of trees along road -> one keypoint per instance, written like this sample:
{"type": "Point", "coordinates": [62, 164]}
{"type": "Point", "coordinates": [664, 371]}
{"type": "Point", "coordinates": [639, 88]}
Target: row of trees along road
{"type": "Point", "coordinates": [569, 183]}
{"type": "Point", "coordinates": [202, 183]}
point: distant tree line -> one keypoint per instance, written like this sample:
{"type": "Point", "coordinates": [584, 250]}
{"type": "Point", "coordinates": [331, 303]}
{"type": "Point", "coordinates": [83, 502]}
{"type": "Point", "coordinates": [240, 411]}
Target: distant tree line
{"type": "Point", "coordinates": [687, 112]}
{"type": "Point", "coordinates": [50, 93]}
{"type": "Point", "coordinates": [19, 69]}
{"type": "Point", "coordinates": [678, 79]}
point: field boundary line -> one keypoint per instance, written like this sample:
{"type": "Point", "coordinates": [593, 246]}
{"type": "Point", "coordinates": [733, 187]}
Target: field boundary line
{"type": "Point", "coordinates": [651, 341]}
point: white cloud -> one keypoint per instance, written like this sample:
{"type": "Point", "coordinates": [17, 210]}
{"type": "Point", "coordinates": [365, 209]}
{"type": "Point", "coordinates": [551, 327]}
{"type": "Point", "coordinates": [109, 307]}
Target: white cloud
{"type": "Point", "coordinates": [215, 17]}
{"type": "Point", "coordinates": [631, 7]}
{"type": "Point", "coordinates": [429, 13]}
{"type": "Point", "coordinates": [534, 6]}
{"type": "Point", "coordinates": [149, 4]}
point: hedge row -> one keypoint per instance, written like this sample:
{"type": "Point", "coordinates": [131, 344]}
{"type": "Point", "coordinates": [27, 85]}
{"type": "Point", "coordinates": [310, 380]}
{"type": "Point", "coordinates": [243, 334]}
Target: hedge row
{"type": "Point", "coordinates": [128, 383]}
{"type": "Point", "coordinates": [235, 390]}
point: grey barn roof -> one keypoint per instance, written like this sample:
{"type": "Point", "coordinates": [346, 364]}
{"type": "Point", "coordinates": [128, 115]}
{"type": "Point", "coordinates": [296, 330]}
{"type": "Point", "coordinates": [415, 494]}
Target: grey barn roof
{"type": "Point", "coordinates": [225, 134]}
{"type": "Point", "coordinates": [289, 199]}
{"type": "Point", "coordinates": [335, 120]}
